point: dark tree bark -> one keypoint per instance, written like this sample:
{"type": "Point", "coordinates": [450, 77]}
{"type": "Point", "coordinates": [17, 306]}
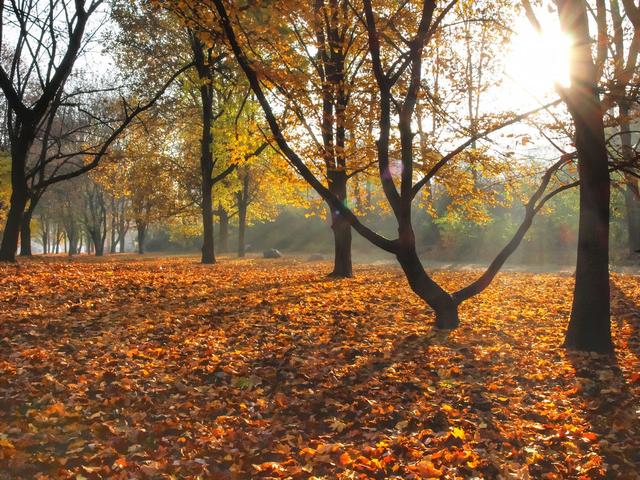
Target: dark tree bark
{"type": "Point", "coordinates": [342, 265]}
{"type": "Point", "coordinates": [335, 99]}
{"type": "Point", "coordinates": [142, 233]}
{"type": "Point", "coordinates": [113, 243]}
{"type": "Point", "coordinates": [202, 60]}
{"type": "Point", "coordinates": [97, 240]}
{"type": "Point", "coordinates": [631, 192]}
{"type": "Point", "coordinates": [242, 198]}
{"type": "Point", "coordinates": [19, 194]}
{"type": "Point", "coordinates": [589, 327]}
{"type": "Point", "coordinates": [25, 234]}
{"type": "Point", "coordinates": [632, 214]}
{"type": "Point", "coordinates": [223, 230]}
{"type": "Point", "coordinates": [443, 304]}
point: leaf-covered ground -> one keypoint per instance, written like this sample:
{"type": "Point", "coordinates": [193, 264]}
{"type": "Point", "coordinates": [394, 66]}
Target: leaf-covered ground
{"type": "Point", "coordinates": [267, 369]}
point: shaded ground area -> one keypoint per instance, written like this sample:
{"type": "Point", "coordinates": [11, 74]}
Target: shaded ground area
{"type": "Point", "coordinates": [266, 369]}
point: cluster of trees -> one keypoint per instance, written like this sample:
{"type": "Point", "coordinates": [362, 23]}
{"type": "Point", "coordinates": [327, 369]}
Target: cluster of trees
{"type": "Point", "coordinates": [232, 107]}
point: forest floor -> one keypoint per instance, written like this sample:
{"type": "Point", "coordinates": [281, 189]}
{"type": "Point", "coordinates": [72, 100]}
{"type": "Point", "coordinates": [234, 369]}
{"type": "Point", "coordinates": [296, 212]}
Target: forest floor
{"type": "Point", "coordinates": [165, 368]}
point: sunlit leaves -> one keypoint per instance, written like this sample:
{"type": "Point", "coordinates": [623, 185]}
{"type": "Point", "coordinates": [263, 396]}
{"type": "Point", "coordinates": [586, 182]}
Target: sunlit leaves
{"type": "Point", "coordinates": [269, 370]}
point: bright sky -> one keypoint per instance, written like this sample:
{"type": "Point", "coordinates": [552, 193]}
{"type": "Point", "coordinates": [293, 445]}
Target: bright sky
{"type": "Point", "coordinates": [538, 60]}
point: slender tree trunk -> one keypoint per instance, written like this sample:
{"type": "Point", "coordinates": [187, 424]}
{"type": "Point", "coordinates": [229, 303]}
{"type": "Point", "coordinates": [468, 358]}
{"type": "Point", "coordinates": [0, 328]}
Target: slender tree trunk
{"type": "Point", "coordinates": [122, 239]}
{"type": "Point", "coordinates": [590, 326]}
{"type": "Point", "coordinates": [242, 227]}
{"type": "Point", "coordinates": [25, 234]}
{"type": "Point", "coordinates": [208, 255]}
{"type": "Point", "coordinates": [223, 232]}
{"type": "Point", "coordinates": [632, 206]}
{"type": "Point", "coordinates": [201, 56]}
{"type": "Point", "coordinates": [243, 206]}
{"type": "Point", "coordinates": [631, 193]}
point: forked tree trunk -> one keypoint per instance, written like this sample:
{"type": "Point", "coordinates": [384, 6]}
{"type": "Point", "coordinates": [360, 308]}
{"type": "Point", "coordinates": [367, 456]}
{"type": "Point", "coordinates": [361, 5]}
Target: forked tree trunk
{"type": "Point", "coordinates": [443, 304]}
{"type": "Point", "coordinates": [590, 326]}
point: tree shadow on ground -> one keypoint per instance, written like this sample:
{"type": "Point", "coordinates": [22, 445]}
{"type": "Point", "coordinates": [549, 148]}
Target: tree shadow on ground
{"type": "Point", "coordinates": [626, 317]}
{"type": "Point", "coordinates": [611, 410]}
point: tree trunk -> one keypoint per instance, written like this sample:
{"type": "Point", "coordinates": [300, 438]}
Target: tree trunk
{"type": "Point", "coordinates": [25, 234]}
{"type": "Point", "coordinates": [632, 204]}
{"type": "Point", "coordinates": [122, 239]}
{"type": "Point", "coordinates": [19, 192]}
{"type": "Point", "coordinates": [98, 243]}
{"type": "Point", "coordinates": [201, 56]}
{"type": "Point", "coordinates": [223, 233]}
{"type": "Point", "coordinates": [243, 205]}
{"type": "Point", "coordinates": [142, 232]}
{"type": "Point", "coordinates": [443, 304]}
{"type": "Point", "coordinates": [242, 227]}
{"type": "Point", "coordinates": [11, 233]}
{"type": "Point", "coordinates": [113, 244]}
{"type": "Point", "coordinates": [342, 266]}
{"type": "Point", "coordinates": [589, 327]}
{"type": "Point", "coordinates": [208, 255]}
{"type": "Point", "coordinates": [631, 193]}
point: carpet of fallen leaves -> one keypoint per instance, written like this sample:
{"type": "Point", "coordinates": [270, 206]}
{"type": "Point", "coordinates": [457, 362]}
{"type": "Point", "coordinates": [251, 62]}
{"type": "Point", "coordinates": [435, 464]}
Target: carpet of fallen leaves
{"type": "Point", "coordinates": [267, 369]}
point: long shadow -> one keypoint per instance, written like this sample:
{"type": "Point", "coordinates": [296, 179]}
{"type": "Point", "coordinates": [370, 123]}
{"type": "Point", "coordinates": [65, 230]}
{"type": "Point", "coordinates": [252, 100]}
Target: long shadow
{"type": "Point", "coordinates": [610, 408]}
{"type": "Point", "coordinates": [625, 310]}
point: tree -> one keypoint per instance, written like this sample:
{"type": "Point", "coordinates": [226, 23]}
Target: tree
{"type": "Point", "coordinates": [398, 84]}
{"type": "Point", "coordinates": [38, 71]}
{"type": "Point", "coordinates": [624, 93]}
{"type": "Point", "coordinates": [35, 78]}
{"type": "Point", "coordinates": [590, 326]}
